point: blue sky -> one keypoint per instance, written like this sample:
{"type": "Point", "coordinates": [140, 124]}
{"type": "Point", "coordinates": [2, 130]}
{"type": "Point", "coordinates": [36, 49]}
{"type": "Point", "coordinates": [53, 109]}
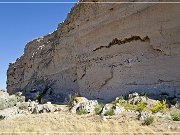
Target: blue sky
{"type": "Point", "coordinates": [20, 23]}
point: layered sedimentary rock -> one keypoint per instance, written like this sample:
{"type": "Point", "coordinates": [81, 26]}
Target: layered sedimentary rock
{"type": "Point", "coordinates": [101, 51]}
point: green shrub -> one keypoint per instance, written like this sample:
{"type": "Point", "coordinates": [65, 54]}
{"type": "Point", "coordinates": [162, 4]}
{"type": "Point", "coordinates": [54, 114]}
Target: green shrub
{"type": "Point", "coordinates": [121, 101]}
{"type": "Point", "coordinates": [140, 107]}
{"type": "Point", "coordinates": [114, 103]}
{"type": "Point", "coordinates": [128, 106]}
{"type": "Point", "coordinates": [81, 111]}
{"type": "Point", "coordinates": [98, 109]}
{"type": "Point", "coordinates": [148, 121]}
{"type": "Point", "coordinates": [175, 116]}
{"type": "Point", "coordinates": [160, 106]}
{"type": "Point", "coordinates": [109, 113]}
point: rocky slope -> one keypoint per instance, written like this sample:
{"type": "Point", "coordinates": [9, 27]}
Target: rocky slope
{"type": "Point", "coordinates": [67, 123]}
{"type": "Point", "coordinates": [137, 114]}
{"type": "Point", "coordinates": [12, 106]}
{"type": "Point", "coordinates": [101, 51]}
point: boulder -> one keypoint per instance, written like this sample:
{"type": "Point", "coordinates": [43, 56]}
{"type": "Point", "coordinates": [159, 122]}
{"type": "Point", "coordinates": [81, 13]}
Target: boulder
{"type": "Point", "coordinates": [89, 106]}
{"type": "Point", "coordinates": [133, 95]}
{"type": "Point", "coordinates": [143, 115]}
{"type": "Point", "coordinates": [83, 103]}
{"type": "Point", "coordinates": [106, 108]}
{"type": "Point", "coordinates": [118, 109]}
{"type": "Point", "coordinates": [77, 102]}
{"type": "Point", "coordinates": [48, 107]}
{"type": "Point", "coordinates": [7, 100]}
{"type": "Point", "coordinates": [177, 105]}
{"type": "Point", "coordinates": [23, 105]}
{"type": "Point", "coordinates": [14, 105]}
{"type": "Point", "coordinates": [39, 108]}
{"type": "Point", "coordinates": [135, 98]}
{"type": "Point", "coordinates": [32, 106]}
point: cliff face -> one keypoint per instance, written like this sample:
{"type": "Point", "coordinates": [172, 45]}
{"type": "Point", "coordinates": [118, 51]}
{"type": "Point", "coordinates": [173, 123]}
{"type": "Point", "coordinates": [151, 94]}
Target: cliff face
{"type": "Point", "coordinates": [102, 51]}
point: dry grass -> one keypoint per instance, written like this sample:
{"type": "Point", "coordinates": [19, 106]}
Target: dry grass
{"type": "Point", "coordinates": [65, 123]}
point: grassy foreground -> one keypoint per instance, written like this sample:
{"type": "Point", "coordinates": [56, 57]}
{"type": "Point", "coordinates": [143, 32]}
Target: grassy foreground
{"type": "Point", "coordinates": [64, 122]}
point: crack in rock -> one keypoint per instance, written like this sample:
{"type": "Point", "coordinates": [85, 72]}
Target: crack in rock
{"type": "Point", "coordinates": [108, 79]}
{"type": "Point", "coordinates": [155, 83]}
{"type": "Point", "coordinates": [126, 40]}
{"type": "Point", "coordinates": [83, 73]}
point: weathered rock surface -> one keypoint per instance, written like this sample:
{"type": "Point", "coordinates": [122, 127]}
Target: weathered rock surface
{"type": "Point", "coordinates": [102, 51]}
{"type": "Point", "coordinates": [81, 103]}
{"type": "Point", "coordinates": [15, 105]}
{"type": "Point", "coordinates": [7, 100]}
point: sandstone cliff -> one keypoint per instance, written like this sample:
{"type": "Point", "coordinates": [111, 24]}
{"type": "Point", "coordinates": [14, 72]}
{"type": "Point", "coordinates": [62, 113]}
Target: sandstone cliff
{"type": "Point", "coordinates": [102, 51]}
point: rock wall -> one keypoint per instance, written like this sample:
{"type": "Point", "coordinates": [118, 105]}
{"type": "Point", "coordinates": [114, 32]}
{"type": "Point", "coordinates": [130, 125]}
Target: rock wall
{"type": "Point", "coordinates": [101, 51]}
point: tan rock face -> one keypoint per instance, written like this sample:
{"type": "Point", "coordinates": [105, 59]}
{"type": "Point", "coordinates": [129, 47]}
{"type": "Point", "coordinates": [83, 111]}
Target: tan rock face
{"type": "Point", "coordinates": [102, 51]}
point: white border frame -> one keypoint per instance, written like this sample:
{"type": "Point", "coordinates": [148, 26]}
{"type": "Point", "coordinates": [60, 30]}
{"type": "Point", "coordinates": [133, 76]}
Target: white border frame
{"type": "Point", "coordinates": [47, 133]}
{"type": "Point", "coordinates": [73, 2]}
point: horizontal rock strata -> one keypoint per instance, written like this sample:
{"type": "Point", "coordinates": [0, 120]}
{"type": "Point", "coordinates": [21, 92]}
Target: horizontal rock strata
{"type": "Point", "coordinates": [101, 51]}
